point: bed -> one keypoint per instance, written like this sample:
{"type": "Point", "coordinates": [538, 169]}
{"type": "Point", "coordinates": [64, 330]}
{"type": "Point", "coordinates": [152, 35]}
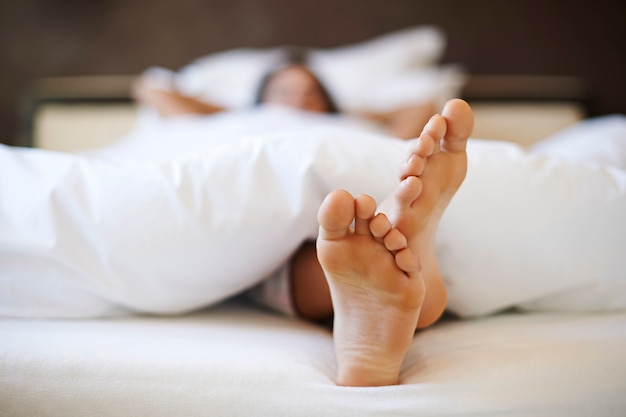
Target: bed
{"type": "Point", "coordinates": [101, 320]}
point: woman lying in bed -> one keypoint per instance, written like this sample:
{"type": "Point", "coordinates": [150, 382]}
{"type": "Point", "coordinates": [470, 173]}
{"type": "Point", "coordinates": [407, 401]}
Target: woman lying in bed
{"type": "Point", "coordinates": [376, 272]}
{"type": "Point", "coordinates": [290, 84]}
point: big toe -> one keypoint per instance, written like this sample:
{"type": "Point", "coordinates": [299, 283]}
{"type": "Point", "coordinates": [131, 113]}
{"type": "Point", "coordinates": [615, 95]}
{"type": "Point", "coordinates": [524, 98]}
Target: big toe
{"type": "Point", "coordinates": [336, 214]}
{"type": "Point", "coordinates": [460, 124]}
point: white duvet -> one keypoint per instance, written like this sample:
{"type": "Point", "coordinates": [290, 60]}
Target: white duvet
{"type": "Point", "coordinates": [186, 213]}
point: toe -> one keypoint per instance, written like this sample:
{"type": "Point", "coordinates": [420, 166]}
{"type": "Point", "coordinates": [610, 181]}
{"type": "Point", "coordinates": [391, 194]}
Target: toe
{"type": "Point", "coordinates": [460, 123]}
{"type": "Point", "coordinates": [407, 261]}
{"type": "Point", "coordinates": [414, 166]}
{"type": "Point", "coordinates": [335, 215]}
{"type": "Point", "coordinates": [380, 226]}
{"type": "Point", "coordinates": [365, 207]}
{"type": "Point", "coordinates": [423, 146]}
{"type": "Point", "coordinates": [436, 128]}
{"type": "Point", "coordinates": [434, 131]}
{"type": "Point", "coordinates": [409, 190]}
{"type": "Point", "coordinates": [395, 240]}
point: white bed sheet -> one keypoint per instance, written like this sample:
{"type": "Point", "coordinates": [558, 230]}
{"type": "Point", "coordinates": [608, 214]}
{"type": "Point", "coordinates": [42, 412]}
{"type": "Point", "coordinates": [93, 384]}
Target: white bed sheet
{"type": "Point", "coordinates": [236, 360]}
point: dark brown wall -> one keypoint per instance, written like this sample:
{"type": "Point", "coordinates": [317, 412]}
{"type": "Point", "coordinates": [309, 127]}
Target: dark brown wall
{"type": "Point", "coordinates": [75, 37]}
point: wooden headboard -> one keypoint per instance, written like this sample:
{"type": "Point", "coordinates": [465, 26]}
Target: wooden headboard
{"type": "Point", "coordinates": [71, 113]}
{"type": "Point", "coordinates": [45, 38]}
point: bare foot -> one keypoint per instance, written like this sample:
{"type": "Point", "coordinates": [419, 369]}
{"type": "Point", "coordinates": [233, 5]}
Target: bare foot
{"type": "Point", "coordinates": [438, 157]}
{"type": "Point", "coordinates": [383, 274]}
{"type": "Point", "coordinates": [376, 301]}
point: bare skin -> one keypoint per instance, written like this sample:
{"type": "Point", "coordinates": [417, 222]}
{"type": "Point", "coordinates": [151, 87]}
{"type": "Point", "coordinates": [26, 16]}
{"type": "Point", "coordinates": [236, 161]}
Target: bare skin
{"type": "Point", "coordinates": [170, 103]}
{"type": "Point", "coordinates": [382, 274]}
{"type": "Point", "coordinates": [404, 122]}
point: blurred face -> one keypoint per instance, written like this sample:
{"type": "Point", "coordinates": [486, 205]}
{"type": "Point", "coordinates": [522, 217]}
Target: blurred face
{"type": "Point", "coordinates": [295, 87]}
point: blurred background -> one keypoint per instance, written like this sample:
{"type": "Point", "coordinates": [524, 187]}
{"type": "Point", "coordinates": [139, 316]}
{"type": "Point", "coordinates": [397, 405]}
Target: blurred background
{"type": "Point", "coordinates": [43, 38]}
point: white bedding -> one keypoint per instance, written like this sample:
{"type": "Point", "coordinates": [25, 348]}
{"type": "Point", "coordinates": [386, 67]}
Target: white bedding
{"type": "Point", "coordinates": [184, 214]}
{"type": "Point", "coordinates": [216, 204]}
{"type": "Point", "coordinates": [238, 361]}
{"type": "Point", "coordinates": [397, 69]}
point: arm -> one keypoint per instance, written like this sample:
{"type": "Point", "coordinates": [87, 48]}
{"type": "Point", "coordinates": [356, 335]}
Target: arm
{"type": "Point", "coordinates": [171, 102]}
{"type": "Point", "coordinates": [405, 122]}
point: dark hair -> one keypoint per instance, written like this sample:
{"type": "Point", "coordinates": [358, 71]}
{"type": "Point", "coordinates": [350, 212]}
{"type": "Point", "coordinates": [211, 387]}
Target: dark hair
{"type": "Point", "coordinates": [294, 56]}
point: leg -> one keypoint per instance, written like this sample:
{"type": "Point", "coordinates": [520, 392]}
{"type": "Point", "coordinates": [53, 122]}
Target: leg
{"type": "Point", "coordinates": [442, 144]}
{"type": "Point", "coordinates": [376, 303]}
{"type": "Point", "coordinates": [381, 290]}
{"type": "Point", "coordinates": [309, 289]}
{"type": "Point", "coordinates": [404, 122]}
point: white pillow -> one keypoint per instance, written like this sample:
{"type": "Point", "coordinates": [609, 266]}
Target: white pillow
{"type": "Point", "coordinates": [601, 139]}
{"type": "Point", "coordinates": [361, 76]}
{"type": "Point", "coordinates": [410, 48]}
{"type": "Point", "coordinates": [230, 78]}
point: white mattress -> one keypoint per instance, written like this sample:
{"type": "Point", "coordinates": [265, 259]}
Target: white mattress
{"type": "Point", "coordinates": [236, 360]}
